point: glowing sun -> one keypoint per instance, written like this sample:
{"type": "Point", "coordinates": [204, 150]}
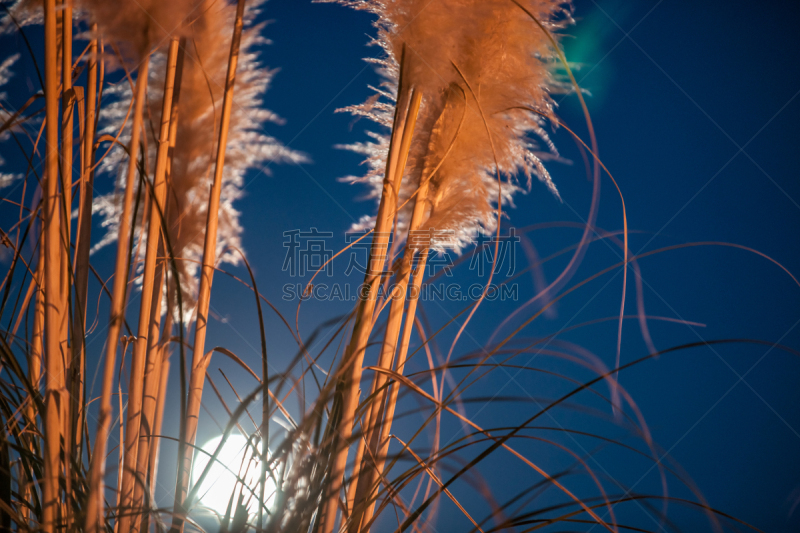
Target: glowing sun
{"type": "Point", "coordinates": [236, 459]}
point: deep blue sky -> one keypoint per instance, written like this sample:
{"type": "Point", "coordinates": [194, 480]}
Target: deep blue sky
{"type": "Point", "coordinates": [696, 106]}
{"type": "Point", "coordinates": [695, 110]}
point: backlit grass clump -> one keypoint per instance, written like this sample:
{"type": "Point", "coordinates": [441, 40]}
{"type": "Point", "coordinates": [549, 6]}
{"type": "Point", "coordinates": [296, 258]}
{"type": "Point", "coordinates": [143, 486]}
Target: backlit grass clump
{"type": "Point", "coordinates": [166, 101]}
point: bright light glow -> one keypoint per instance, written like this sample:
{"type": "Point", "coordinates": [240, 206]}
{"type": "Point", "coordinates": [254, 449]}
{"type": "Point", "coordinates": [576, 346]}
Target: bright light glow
{"type": "Point", "coordinates": [235, 459]}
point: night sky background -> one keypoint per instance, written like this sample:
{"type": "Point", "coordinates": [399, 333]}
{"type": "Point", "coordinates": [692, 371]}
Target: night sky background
{"type": "Point", "coordinates": [696, 107]}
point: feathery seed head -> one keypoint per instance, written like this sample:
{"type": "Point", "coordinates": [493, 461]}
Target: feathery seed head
{"type": "Point", "coordinates": [249, 146]}
{"type": "Point", "coordinates": [486, 72]}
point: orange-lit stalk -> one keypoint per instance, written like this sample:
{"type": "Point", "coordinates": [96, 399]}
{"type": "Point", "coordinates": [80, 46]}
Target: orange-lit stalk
{"type": "Point", "coordinates": [391, 404]}
{"type": "Point", "coordinates": [37, 343]}
{"type": "Point", "coordinates": [83, 239]}
{"type": "Point", "coordinates": [155, 446]}
{"type": "Point", "coordinates": [363, 499]}
{"type": "Point", "coordinates": [152, 382]}
{"type": "Point", "coordinates": [35, 358]}
{"type": "Point", "coordinates": [67, 108]}
{"type": "Point", "coordinates": [54, 310]}
{"type": "Point", "coordinates": [387, 350]}
{"type": "Point", "coordinates": [351, 367]}
{"type": "Point", "coordinates": [152, 376]}
{"type": "Point", "coordinates": [163, 345]}
{"type": "Point", "coordinates": [120, 448]}
{"type": "Point", "coordinates": [65, 212]}
{"type": "Point", "coordinates": [197, 376]}
{"type": "Point", "coordinates": [132, 484]}
{"type": "Point", "coordinates": [95, 502]}
{"type": "Point", "coordinates": [163, 376]}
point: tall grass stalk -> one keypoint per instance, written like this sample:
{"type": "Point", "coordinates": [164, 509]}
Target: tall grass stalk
{"type": "Point", "coordinates": [160, 339]}
{"type": "Point", "coordinates": [83, 244]}
{"type": "Point", "coordinates": [155, 445]}
{"type": "Point", "coordinates": [351, 367]}
{"type": "Point", "coordinates": [369, 467]}
{"type": "Point", "coordinates": [70, 407]}
{"type": "Point", "coordinates": [95, 504]}
{"type": "Point", "coordinates": [162, 363]}
{"type": "Point", "coordinates": [54, 306]}
{"type": "Point", "coordinates": [35, 358]}
{"type": "Point", "coordinates": [199, 359]}
{"type": "Point", "coordinates": [135, 466]}
{"type": "Point", "coordinates": [153, 367]}
{"type": "Point", "coordinates": [382, 409]}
